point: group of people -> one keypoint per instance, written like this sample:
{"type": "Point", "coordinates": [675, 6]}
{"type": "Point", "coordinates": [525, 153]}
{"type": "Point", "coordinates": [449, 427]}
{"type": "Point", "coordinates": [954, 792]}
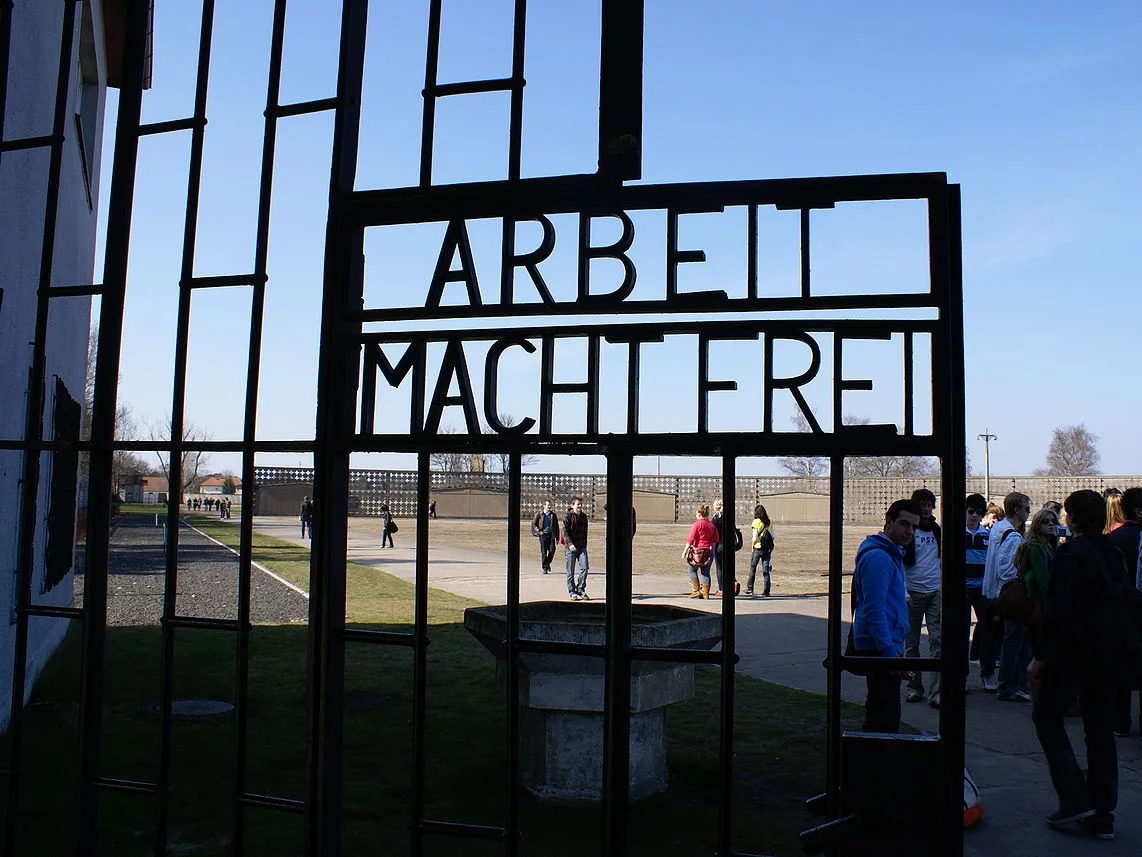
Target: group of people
{"type": "Point", "coordinates": [705, 547]}
{"type": "Point", "coordinates": [1079, 643]}
{"type": "Point", "coordinates": [220, 505]}
{"type": "Point", "coordinates": [571, 533]}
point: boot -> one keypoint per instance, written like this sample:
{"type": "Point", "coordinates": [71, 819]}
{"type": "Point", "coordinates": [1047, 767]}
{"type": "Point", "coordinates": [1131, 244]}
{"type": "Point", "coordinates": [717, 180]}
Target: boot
{"type": "Point", "coordinates": [705, 593]}
{"type": "Point", "coordinates": [695, 592]}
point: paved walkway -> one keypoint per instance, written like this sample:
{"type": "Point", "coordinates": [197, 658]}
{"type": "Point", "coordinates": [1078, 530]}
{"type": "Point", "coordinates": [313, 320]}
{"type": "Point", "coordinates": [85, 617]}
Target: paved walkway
{"type": "Point", "coordinates": [782, 640]}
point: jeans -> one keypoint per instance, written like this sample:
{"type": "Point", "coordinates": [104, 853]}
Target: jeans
{"type": "Point", "coordinates": [546, 551]}
{"type": "Point", "coordinates": [572, 557]}
{"type": "Point", "coordinates": [1099, 790]}
{"type": "Point", "coordinates": [306, 525]}
{"type": "Point", "coordinates": [985, 638]}
{"type": "Point", "coordinates": [701, 574]}
{"type": "Point", "coordinates": [1014, 655]}
{"type": "Point", "coordinates": [882, 704]}
{"type": "Point", "coordinates": [757, 556]}
{"type": "Point", "coordinates": [718, 565]}
{"type": "Point", "coordinates": [925, 607]}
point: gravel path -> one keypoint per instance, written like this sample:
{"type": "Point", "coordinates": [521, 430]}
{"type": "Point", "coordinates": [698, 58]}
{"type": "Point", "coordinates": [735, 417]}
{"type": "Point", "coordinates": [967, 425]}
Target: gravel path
{"type": "Point", "coordinates": [207, 584]}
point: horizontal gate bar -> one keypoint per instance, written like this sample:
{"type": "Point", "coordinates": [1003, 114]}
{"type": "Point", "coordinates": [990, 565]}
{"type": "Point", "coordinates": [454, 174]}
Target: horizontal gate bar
{"type": "Point", "coordinates": [301, 108]}
{"type": "Point", "coordinates": [453, 828]}
{"type": "Point", "coordinates": [188, 124]}
{"type": "Point", "coordinates": [49, 611]}
{"type": "Point", "coordinates": [119, 785]}
{"type": "Point", "coordinates": [468, 87]}
{"type": "Point", "coordinates": [589, 192]}
{"type": "Point", "coordinates": [272, 802]}
{"type": "Point", "coordinates": [201, 622]}
{"type": "Point", "coordinates": [29, 143]}
{"type": "Point", "coordinates": [364, 635]}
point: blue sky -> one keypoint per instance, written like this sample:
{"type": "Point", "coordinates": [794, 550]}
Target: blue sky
{"type": "Point", "coordinates": [1032, 107]}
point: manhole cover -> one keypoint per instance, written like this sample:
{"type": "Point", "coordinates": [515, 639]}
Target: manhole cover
{"type": "Point", "coordinates": [195, 708]}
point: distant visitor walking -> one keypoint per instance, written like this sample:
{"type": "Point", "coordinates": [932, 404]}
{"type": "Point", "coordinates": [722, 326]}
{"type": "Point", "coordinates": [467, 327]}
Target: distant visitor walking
{"type": "Point", "coordinates": [306, 517]}
{"type": "Point", "coordinates": [388, 526]}
{"type": "Point", "coordinates": [545, 527]}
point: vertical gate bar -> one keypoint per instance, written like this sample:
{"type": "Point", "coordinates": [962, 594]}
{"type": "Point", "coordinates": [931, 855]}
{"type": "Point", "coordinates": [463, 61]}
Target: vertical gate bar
{"type": "Point", "coordinates": [249, 424]}
{"type": "Point", "coordinates": [909, 381]}
{"type": "Point", "coordinates": [729, 657]}
{"type": "Point", "coordinates": [515, 500]}
{"type": "Point", "coordinates": [948, 415]}
{"type": "Point", "coordinates": [431, 70]}
{"type": "Point", "coordinates": [515, 130]}
{"type": "Point", "coordinates": [833, 676]}
{"type": "Point", "coordinates": [620, 90]}
{"type": "Point", "coordinates": [177, 424]}
{"type": "Point", "coordinates": [337, 377]}
{"type": "Point", "coordinates": [34, 421]}
{"type": "Point", "coordinates": [116, 251]}
{"type": "Point", "coordinates": [806, 256]}
{"type": "Point", "coordinates": [5, 56]}
{"type": "Point", "coordinates": [420, 659]}
{"type": "Point", "coordinates": [616, 698]}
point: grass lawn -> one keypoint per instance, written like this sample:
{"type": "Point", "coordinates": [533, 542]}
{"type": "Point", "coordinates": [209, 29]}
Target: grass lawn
{"type": "Point", "coordinates": [779, 746]}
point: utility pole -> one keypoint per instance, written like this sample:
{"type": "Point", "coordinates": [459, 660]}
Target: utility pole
{"type": "Point", "coordinates": [987, 438]}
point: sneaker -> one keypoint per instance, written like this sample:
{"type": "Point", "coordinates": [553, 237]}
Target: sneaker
{"type": "Point", "coordinates": [575, 596]}
{"type": "Point", "coordinates": [988, 684]}
{"type": "Point", "coordinates": [583, 596]}
{"type": "Point", "coordinates": [913, 696]}
{"type": "Point", "coordinates": [1061, 817]}
{"type": "Point", "coordinates": [1015, 696]}
{"type": "Point", "coordinates": [749, 592]}
{"type": "Point", "coordinates": [934, 702]}
{"type": "Point", "coordinates": [1099, 825]}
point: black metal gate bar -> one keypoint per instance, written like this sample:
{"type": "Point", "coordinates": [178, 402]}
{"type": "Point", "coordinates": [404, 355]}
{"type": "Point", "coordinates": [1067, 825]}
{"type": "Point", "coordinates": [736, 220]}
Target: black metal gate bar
{"type": "Point", "coordinates": [249, 423]}
{"type": "Point", "coordinates": [34, 418]}
{"type": "Point", "coordinates": [338, 370]}
{"type": "Point", "coordinates": [949, 411]}
{"type": "Point", "coordinates": [620, 90]}
{"type": "Point", "coordinates": [833, 630]}
{"type": "Point", "coordinates": [116, 253]}
{"type": "Point", "coordinates": [177, 422]}
{"type": "Point", "coordinates": [420, 661]}
{"type": "Point", "coordinates": [729, 657]}
{"type": "Point", "coordinates": [617, 651]}
{"type": "Point", "coordinates": [515, 492]}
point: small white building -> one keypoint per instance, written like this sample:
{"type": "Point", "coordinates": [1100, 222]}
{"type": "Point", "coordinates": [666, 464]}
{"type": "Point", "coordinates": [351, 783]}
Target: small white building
{"type": "Point", "coordinates": [25, 178]}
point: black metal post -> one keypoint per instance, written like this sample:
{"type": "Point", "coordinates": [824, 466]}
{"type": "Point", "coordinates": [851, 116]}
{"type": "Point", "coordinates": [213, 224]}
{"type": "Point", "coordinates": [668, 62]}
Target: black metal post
{"type": "Point", "coordinates": [116, 252]}
{"type": "Point", "coordinates": [616, 704]}
{"type": "Point", "coordinates": [338, 372]}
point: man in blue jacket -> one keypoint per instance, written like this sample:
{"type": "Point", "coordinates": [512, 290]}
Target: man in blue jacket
{"type": "Point", "coordinates": [880, 611]}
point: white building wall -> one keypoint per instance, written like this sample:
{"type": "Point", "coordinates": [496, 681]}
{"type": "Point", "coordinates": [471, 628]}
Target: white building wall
{"type": "Point", "coordinates": [24, 177]}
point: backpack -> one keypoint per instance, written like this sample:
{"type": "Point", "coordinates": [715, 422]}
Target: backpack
{"type": "Point", "coordinates": [766, 541]}
{"type": "Point", "coordinates": [738, 540]}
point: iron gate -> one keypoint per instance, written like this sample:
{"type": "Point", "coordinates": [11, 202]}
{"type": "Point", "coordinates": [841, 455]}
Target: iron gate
{"type": "Point", "coordinates": [357, 376]}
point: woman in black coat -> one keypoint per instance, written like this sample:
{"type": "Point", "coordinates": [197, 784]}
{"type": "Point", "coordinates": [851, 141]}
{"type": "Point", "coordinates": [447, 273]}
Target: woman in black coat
{"type": "Point", "coordinates": [1082, 650]}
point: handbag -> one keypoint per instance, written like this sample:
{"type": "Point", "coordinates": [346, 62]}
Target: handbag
{"type": "Point", "coordinates": [393, 526]}
{"type": "Point", "coordinates": [697, 557]}
{"type": "Point", "coordinates": [1015, 605]}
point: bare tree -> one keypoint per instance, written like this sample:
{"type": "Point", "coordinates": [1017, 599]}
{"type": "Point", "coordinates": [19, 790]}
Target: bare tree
{"type": "Point", "coordinates": [886, 466]}
{"type": "Point", "coordinates": [193, 461]}
{"type": "Point", "coordinates": [500, 461]}
{"type": "Point", "coordinates": [804, 466]}
{"type": "Point", "coordinates": [124, 463]}
{"type": "Point", "coordinates": [1073, 452]}
{"type": "Point", "coordinates": [450, 462]}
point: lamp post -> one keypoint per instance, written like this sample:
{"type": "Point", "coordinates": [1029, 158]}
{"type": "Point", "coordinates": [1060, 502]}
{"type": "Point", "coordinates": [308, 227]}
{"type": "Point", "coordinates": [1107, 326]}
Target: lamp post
{"type": "Point", "coordinates": [987, 438]}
